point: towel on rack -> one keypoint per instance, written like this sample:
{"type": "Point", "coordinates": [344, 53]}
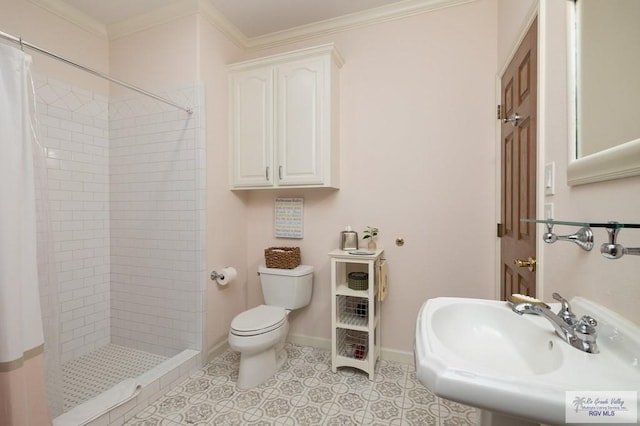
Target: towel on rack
{"type": "Point", "coordinates": [383, 280]}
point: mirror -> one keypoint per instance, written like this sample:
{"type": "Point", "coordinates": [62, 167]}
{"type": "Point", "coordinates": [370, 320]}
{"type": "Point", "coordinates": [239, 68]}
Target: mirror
{"type": "Point", "coordinates": [604, 60]}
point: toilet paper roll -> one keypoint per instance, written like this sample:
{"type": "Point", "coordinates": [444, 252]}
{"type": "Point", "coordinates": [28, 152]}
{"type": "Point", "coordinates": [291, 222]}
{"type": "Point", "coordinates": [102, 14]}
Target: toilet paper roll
{"type": "Point", "coordinates": [229, 274]}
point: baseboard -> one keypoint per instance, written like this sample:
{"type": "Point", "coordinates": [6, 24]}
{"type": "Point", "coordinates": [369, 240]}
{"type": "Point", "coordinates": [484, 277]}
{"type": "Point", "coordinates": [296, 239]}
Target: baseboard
{"type": "Point", "coordinates": [314, 342]}
{"type": "Point", "coordinates": [217, 350]}
{"type": "Point", "coordinates": [394, 355]}
{"type": "Point", "coordinates": [323, 343]}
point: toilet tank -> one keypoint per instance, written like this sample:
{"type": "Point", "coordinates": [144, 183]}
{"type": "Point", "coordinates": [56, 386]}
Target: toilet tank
{"type": "Point", "coordinates": [287, 288]}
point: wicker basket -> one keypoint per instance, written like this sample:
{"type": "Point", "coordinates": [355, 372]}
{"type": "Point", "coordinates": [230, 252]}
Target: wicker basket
{"type": "Point", "coordinates": [282, 257]}
{"type": "Point", "coordinates": [358, 280]}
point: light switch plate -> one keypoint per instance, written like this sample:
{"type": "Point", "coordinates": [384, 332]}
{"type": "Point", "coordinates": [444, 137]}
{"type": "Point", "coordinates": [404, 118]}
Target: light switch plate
{"type": "Point", "coordinates": [550, 178]}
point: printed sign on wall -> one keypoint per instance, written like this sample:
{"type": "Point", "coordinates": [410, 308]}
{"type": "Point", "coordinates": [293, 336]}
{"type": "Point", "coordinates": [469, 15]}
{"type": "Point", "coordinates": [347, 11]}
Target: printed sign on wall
{"type": "Point", "coordinates": [288, 218]}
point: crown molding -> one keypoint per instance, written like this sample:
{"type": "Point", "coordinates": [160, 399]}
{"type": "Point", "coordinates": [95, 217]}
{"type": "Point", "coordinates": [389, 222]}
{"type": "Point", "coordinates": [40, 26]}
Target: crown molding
{"type": "Point", "coordinates": [218, 20]}
{"type": "Point", "coordinates": [73, 15]}
{"type": "Point", "coordinates": [176, 10]}
{"type": "Point", "coordinates": [182, 8]}
{"type": "Point", "coordinates": [162, 15]}
{"type": "Point", "coordinates": [348, 22]}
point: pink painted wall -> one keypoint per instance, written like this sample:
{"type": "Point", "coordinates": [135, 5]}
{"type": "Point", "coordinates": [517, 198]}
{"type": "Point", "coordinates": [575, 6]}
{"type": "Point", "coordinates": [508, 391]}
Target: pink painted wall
{"type": "Point", "coordinates": [226, 211]}
{"type": "Point", "coordinates": [23, 395]}
{"type": "Point", "coordinates": [163, 56]}
{"type": "Point", "coordinates": [567, 269]}
{"type": "Point", "coordinates": [417, 161]}
{"type": "Point", "coordinates": [401, 102]}
{"type": "Point", "coordinates": [37, 26]}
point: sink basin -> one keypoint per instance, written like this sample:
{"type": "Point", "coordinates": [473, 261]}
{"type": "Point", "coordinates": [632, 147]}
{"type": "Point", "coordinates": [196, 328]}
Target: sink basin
{"type": "Point", "coordinates": [478, 352]}
{"type": "Point", "coordinates": [495, 327]}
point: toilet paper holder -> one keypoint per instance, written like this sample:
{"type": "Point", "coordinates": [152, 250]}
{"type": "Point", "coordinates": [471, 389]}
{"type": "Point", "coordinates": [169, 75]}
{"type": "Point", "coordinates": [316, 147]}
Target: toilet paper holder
{"type": "Point", "coordinates": [215, 275]}
{"type": "Point", "coordinates": [226, 277]}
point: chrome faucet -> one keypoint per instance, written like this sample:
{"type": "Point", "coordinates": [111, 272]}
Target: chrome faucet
{"type": "Point", "coordinates": [581, 334]}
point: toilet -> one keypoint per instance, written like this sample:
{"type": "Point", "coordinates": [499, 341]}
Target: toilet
{"type": "Point", "coordinates": [259, 333]}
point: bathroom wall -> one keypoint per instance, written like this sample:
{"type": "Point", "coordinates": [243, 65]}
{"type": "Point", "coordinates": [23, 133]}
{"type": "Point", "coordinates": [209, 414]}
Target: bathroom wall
{"type": "Point", "coordinates": [417, 161]}
{"type": "Point", "coordinates": [567, 269]}
{"type": "Point", "coordinates": [74, 128]}
{"type": "Point", "coordinates": [417, 151]}
{"type": "Point", "coordinates": [393, 98]}
{"type": "Point", "coordinates": [22, 18]}
{"type": "Point", "coordinates": [227, 232]}
{"type": "Point", "coordinates": [190, 48]}
{"type": "Point", "coordinates": [156, 215]}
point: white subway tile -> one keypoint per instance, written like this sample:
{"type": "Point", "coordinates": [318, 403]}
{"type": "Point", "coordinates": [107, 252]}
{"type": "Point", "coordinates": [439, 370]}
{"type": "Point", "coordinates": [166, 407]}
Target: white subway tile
{"type": "Point", "coordinates": [83, 331]}
{"type": "Point", "coordinates": [75, 343]}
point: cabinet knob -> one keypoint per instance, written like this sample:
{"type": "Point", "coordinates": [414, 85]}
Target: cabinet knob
{"type": "Point", "coordinates": [266, 173]}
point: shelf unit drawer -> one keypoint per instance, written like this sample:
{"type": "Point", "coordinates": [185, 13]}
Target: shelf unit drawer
{"type": "Point", "coordinates": [353, 311]}
{"type": "Point", "coordinates": [352, 344]}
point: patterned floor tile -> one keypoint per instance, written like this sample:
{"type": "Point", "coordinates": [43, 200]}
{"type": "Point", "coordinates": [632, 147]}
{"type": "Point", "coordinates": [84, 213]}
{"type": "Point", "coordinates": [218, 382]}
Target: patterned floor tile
{"type": "Point", "coordinates": [304, 392]}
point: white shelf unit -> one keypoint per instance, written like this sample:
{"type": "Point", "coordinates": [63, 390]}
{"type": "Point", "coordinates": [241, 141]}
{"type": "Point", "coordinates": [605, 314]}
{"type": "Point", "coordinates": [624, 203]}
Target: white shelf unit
{"type": "Point", "coordinates": [355, 314]}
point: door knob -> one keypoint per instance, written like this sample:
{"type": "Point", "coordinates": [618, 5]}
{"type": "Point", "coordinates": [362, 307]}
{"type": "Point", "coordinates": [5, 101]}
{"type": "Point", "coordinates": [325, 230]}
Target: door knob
{"type": "Point", "coordinates": [529, 263]}
{"type": "Point", "coordinates": [514, 119]}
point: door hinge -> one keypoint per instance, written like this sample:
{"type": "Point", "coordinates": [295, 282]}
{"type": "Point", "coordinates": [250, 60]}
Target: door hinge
{"type": "Point", "coordinates": [499, 112]}
{"type": "Point", "coordinates": [499, 230]}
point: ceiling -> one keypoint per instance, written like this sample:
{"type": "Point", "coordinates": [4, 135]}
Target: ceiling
{"type": "Point", "coordinates": [253, 18]}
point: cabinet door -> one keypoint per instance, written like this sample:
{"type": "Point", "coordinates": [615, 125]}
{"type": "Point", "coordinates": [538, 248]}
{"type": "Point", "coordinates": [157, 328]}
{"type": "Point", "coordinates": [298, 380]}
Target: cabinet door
{"type": "Point", "coordinates": [252, 128]}
{"type": "Point", "coordinates": [301, 134]}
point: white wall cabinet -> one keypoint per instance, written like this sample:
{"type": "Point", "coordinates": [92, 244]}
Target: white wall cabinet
{"type": "Point", "coordinates": [284, 113]}
{"type": "Point", "coordinates": [355, 313]}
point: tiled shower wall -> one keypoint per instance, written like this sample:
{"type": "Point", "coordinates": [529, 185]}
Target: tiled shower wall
{"type": "Point", "coordinates": [126, 184]}
{"type": "Point", "coordinates": [156, 222]}
{"type": "Point", "coordinates": [74, 128]}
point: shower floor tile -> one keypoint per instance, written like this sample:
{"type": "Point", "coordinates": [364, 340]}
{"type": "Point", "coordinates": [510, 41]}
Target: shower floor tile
{"type": "Point", "coordinates": [90, 375]}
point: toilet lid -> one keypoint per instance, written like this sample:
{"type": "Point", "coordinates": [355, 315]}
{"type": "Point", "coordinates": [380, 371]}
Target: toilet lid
{"type": "Point", "coordinates": [258, 320]}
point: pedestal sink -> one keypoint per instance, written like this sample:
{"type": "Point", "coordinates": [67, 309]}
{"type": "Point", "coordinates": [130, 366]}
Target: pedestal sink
{"type": "Point", "coordinates": [478, 352]}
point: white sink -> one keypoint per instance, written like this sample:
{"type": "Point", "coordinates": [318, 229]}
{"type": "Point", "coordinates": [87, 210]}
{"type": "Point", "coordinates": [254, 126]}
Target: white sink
{"type": "Point", "coordinates": [478, 352]}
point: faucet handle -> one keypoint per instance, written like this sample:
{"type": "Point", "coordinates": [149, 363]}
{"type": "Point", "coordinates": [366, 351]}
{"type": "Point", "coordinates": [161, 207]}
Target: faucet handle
{"type": "Point", "coordinates": [560, 299]}
{"type": "Point", "coordinates": [587, 324]}
{"type": "Point", "coordinates": [586, 332]}
{"type": "Point", "coordinates": [565, 311]}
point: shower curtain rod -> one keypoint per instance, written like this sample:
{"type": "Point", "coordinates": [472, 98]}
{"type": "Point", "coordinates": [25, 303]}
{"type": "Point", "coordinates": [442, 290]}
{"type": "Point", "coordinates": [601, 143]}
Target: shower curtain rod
{"type": "Point", "coordinates": [24, 44]}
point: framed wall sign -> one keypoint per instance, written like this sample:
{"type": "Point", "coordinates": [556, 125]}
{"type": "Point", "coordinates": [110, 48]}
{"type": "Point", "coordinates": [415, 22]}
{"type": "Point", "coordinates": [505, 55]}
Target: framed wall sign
{"type": "Point", "coordinates": [288, 218]}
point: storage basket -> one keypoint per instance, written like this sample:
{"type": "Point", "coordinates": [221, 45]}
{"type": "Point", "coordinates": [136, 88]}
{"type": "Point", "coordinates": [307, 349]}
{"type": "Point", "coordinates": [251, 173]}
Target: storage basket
{"type": "Point", "coordinates": [358, 280]}
{"type": "Point", "coordinates": [282, 257]}
{"type": "Point", "coordinates": [353, 343]}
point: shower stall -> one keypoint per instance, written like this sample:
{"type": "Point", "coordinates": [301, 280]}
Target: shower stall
{"type": "Point", "coordinates": [126, 191]}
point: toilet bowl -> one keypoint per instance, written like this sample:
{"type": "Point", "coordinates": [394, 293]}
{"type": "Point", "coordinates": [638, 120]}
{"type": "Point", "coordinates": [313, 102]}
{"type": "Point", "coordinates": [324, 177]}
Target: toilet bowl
{"type": "Point", "coordinates": [259, 333]}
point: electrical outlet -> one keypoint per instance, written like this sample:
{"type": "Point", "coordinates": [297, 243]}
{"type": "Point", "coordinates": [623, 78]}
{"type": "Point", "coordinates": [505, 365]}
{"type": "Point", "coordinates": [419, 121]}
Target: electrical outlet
{"type": "Point", "coordinates": [548, 211]}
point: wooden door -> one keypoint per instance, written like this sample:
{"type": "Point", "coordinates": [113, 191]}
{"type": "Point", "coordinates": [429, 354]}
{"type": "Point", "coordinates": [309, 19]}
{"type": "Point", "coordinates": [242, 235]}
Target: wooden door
{"type": "Point", "coordinates": [519, 152]}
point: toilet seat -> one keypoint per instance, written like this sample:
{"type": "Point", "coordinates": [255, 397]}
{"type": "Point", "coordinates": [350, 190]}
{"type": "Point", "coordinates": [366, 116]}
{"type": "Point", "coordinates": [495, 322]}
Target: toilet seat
{"type": "Point", "coordinates": [258, 320]}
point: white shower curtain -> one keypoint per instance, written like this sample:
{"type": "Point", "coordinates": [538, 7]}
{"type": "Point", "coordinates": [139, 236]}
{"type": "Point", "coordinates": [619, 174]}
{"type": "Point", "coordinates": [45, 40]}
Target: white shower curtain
{"type": "Point", "coordinates": [22, 396]}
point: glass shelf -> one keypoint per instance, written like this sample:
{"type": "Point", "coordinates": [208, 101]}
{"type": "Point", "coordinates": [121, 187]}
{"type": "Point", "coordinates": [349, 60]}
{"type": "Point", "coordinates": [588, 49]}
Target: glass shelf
{"type": "Point", "coordinates": [610, 225]}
